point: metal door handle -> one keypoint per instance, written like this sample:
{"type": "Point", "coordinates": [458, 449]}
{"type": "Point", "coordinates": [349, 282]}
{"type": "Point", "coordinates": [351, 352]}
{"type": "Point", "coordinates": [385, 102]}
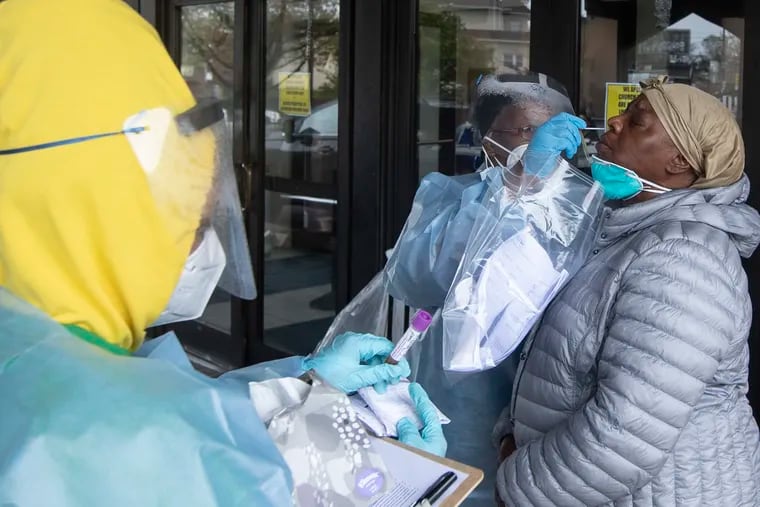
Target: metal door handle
{"type": "Point", "coordinates": [247, 186]}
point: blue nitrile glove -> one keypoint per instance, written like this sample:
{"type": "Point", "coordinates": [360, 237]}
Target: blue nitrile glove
{"type": "Point", "coordinates": [382, 386]}
{"type": "Point", "coordinates": [560, 134]}
{"type": "Point", "coordinates": [353, 361]}
{"type": "Point", "coordinates": [431, 438]}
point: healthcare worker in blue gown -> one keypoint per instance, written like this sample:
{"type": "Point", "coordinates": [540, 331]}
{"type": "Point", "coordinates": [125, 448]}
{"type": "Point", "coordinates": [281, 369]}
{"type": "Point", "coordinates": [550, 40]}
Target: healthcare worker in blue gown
{"type": "Point", "coordinates": [119, 210]}
{"type": "Point", "coordinates": [519, 119]}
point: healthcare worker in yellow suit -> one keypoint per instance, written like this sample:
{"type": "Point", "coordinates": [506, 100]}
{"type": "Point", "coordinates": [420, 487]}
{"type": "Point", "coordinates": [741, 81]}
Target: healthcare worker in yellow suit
{"type": "Point", "coordinates": [118, 211]}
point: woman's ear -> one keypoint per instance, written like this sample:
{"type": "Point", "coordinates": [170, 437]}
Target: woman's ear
{"type": "Point", "coordinates": [678, 165]}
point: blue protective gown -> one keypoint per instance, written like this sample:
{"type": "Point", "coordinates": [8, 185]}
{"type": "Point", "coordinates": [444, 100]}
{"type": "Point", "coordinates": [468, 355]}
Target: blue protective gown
{"type": "Point", "coordinates": [420, 272]}
{"type": "Point", "coordinates": [83, 427]}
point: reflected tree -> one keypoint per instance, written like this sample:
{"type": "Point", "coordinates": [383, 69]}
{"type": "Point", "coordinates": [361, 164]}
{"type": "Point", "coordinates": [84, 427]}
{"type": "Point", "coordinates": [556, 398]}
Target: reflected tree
{"type": "Point", "coordinates": [443, 34]}
{"type": "Point", "coordinates": [207, 45]}
{"type": "Point", "coordinates": [717, 68]}
{"type": "Point", "coordinates": [302, 36]}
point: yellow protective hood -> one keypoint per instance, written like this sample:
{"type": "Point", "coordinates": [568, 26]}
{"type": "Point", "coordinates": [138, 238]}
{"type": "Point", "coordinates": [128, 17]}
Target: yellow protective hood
{"type": "Point", "coordinates": [85, 234]}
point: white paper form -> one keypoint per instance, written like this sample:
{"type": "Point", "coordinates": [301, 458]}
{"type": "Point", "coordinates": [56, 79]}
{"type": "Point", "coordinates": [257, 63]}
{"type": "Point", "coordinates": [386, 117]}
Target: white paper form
{"type": "Point", "coordinates": [496, 308]}
{"type": "Point", "coordinates": [524, 268]}
{"type": "Point", "coordinates": [413, 473]}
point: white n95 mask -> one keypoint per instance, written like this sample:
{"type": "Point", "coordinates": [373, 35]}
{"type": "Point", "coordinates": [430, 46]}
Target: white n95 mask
{"type": "Point", "coordinates": [199, 278]}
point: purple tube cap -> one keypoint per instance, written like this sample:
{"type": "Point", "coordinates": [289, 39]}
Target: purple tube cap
{"type": "Point", "coordinates": [421, 321]}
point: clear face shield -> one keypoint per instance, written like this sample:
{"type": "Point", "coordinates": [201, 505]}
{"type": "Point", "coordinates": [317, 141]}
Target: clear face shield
{"type": "Point", "coordinates": [168, 149]}
{"type": "Point", "coordinates": [508, 108]}
{"type": "Point", "coordinates": [187, 160]}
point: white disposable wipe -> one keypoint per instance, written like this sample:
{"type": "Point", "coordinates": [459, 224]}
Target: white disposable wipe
{"type": "Point", "coordinates": [382, 412]}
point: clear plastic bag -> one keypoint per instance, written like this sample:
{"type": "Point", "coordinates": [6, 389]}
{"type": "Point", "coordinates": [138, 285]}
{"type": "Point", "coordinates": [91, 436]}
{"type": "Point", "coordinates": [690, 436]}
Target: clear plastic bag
{"type": "Point", "coordinates": [526, 242]}
{"type": "Point", "coordinates": [374, 311]}
{"type": "Point", "coordinates": [427, 254]}
{"type": "Point", "coordinates": [366, 313]}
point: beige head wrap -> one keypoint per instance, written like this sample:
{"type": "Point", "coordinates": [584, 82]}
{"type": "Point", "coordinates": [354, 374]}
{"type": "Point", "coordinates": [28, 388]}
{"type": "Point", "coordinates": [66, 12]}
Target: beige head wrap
{"type": "Point", "coordinates": [702, 129]}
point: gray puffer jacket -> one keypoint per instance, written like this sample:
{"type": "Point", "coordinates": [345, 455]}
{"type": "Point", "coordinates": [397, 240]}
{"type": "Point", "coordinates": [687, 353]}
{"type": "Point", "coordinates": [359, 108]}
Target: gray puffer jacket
{"type": "Point", "coordinates": [632, 392]}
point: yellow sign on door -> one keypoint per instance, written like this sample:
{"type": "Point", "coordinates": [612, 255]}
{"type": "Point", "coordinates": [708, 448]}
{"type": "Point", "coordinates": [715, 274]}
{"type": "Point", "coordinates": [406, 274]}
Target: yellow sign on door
{"type": "Point", "coordinates": [295, 93]}
{"type": "Point", "coordinates": [618, 96]}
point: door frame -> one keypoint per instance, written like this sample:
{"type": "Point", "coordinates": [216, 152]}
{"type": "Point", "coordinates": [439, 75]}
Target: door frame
{"type": "Point", "coordinates": [212, 350]}
{"type": "Point", "coordinates": [249, 97]}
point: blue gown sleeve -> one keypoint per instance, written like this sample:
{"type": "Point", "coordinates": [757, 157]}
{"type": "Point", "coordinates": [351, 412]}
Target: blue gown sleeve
{"type": "Point", "coordinates": [425, 259]}
{"type": "Point", "coordinates": [82, 426]}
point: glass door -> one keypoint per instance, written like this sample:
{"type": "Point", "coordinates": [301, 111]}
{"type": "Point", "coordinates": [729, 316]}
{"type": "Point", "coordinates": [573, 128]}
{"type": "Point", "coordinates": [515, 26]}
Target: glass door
{"type": "Point", "coordinates": [300, 172]}
{"type": "Point", "coordinates": [275, 66]}
{"type": "Point", "coordinates": [201, 38]}
{"type": "Point", "coordinates": [692, 41]}
{"type": "Point", "coordinates": [458, 42]}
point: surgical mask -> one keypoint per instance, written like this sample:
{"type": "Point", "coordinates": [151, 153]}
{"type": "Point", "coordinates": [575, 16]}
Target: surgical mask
{"type": "Point", "coordinates": [514, 156]}
{"type": "Point", "coordinates": [199, 278]}
{"type": "Point", "coordinates": [620, 183]}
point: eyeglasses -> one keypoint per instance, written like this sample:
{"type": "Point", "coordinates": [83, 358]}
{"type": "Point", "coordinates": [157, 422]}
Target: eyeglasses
{"type": "Point", "coordinates": [526, 133]}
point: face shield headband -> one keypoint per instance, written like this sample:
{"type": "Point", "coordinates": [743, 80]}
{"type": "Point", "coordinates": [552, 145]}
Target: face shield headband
{"type": "Point", "coordinates": [147, 132]}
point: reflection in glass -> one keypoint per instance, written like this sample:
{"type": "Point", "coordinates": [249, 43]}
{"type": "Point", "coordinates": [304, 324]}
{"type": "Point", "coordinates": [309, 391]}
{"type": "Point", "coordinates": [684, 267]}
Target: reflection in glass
{"type": "Point", "coordinates": [206, 62]}
{"type": "Point", "coordinates": [692, 49]}
{"type": "Point", "coordinates": [458, 42]}
{"type": "Point", "coordinates": [301, 143]}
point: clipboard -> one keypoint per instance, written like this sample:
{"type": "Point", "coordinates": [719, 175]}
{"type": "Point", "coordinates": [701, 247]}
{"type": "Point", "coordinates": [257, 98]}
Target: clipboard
{"type": "Point", "coordinates": [467, 477]}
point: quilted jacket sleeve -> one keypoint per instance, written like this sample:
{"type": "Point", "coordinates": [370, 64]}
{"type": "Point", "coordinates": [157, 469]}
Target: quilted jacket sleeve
{"type": "Point", "coordinates": [669, 329]}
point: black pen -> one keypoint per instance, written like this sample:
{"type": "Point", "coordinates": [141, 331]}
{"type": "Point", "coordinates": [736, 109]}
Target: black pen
{"type": "Point", "coordinates": [438, 488]}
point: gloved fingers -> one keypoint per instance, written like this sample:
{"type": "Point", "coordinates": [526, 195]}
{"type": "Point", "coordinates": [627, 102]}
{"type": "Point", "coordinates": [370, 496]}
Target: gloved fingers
{"type": "Point", "coordinates": [433, 432]}
{"type": "Point", "coordinates": [565, 138]}
{"type": "Point", "coordinates": [418, 393]}
{"type": "Point", "coordinates": [558, 139]}
{"type": "Point", "coordinates": [568, 136]}
{"type": "Point", "coordinates": [434, 443]}
{"type": "Point", "coordinates": [370, 346]}
{"type": "Point", "coordinates": [381, 387]}
{"type": "Point", "coordinates": [576, 136]}
{"type": "Point", "coordinates": [405, 369]}
{"type": "Point", "coordinates": [565, 121]}
{"type": "Point", "coordinates": [579, 123]}
{"type": "Point", "coordinates": [424, 406]}
{"type": "Point", "coordinates": [407, 431]}
{"type": "Point", "coordinates": [371, 375]}
{"type": "Point", "coordinates": [570, 151]}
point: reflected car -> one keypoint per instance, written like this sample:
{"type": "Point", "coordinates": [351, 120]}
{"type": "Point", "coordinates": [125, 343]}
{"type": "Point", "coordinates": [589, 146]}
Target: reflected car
{"type": "Point", "coordinates": [305, 149]}
{"type": "Point", "coordinates": [302, 163]}
{"type": "Point", "coordinates": [301, 173]}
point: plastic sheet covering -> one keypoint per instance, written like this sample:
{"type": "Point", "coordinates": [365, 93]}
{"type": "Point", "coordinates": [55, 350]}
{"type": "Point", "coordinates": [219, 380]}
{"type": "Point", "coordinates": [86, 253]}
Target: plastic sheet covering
{"type": "Point", "coordinates": [83, 427]}
{"type": "Point", "coordinates": [425, 259]}
{"type": "Point", "coordinates": [530, 236]}
{"type": "Point", "coordinates": [420, 271]}
{"type": "Point", "coordinates": [366, 313]}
